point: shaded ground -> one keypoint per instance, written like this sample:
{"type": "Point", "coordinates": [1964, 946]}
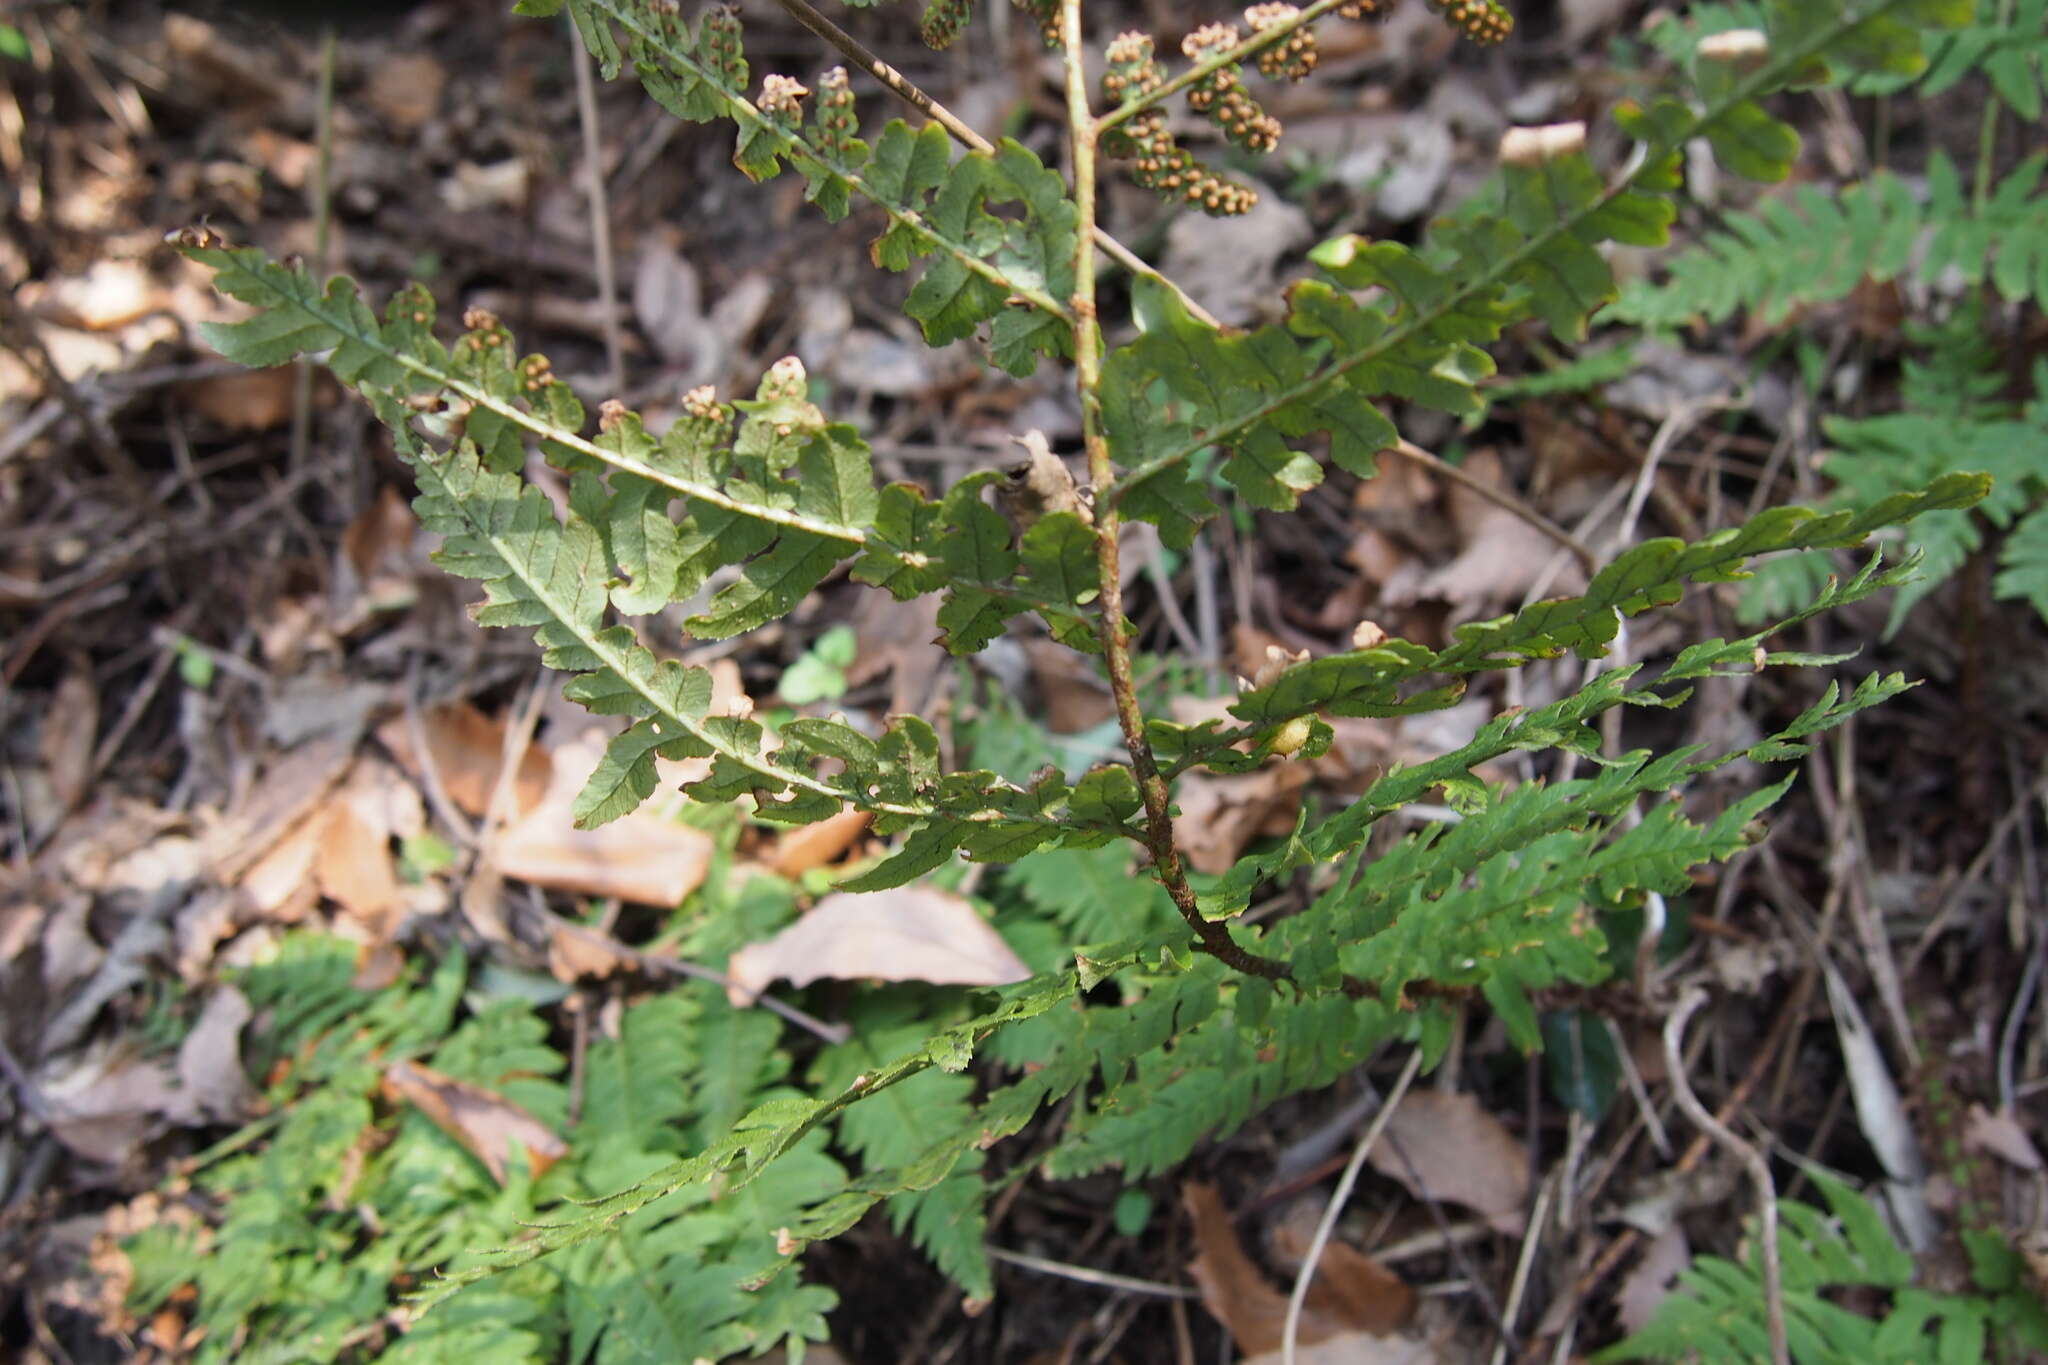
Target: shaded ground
{"type": "Point", "coordinates": [223, 654]}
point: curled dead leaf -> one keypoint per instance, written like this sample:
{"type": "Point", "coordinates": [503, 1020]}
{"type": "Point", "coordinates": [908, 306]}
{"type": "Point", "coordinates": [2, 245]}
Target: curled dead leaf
{"type": "Point", "coordinates": [467, 748]}
{"type": "Point", "coordinates": [489, 1126]}
{"type": "Point", "coordinates": [911, 933]}
{"type": "Point", "coordinates": [1352, 1295]}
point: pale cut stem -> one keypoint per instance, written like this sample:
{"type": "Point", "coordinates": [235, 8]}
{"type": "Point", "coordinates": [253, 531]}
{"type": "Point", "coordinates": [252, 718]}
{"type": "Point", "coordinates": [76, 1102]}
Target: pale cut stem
{"type": "Point", "coordinates": [964, 133]}
{"type": "Point", "coordinates": [1328, 1223]}
{"type": "Point", "coordinates": [1753, 1160]}
{"type": "Point", "coordinates": [600, 212]}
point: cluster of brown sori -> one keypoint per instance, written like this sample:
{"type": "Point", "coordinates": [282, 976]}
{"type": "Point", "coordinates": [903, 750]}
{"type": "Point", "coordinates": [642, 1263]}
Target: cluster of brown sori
{"type": "Point", "coordinates": [1157, 161]}
{"type": "Point", "coordinates": [1219, 95]}
{"type": "Point", "coordinates": [1482, 21]}
{"type": "Point", "coordinates": [943, 20]}
{"type": "Point", "coordinates": [834, 120]}
{"type": "Point", "coordinates": [1293, 57]}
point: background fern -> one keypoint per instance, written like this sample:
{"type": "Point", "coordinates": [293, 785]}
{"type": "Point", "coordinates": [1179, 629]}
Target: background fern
{"type": "Point", "coordinates": [1717, 1311]}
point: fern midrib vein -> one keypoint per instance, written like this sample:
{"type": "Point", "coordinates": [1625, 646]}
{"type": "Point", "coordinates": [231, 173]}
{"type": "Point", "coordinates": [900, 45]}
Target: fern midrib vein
{"type": "Point", "coordinates": [851, 536]}
{"type": "Point", "coordinates": [1503, 271]}
{"type": "Point", "coordinates": [617, 662]}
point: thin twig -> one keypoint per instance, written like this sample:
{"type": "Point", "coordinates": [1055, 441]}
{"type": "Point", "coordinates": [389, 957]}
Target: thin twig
{"type": "Point", "coordinates": [1084, 1275]}
{"type": "Point", "coordinates": [1525, 1262]}
{"type": "Point", "coordinates": [963, 133]}
{"type": "Point", "coordinates": [1502, 499]}
{"type": "Point", "coordinates": [831, 1033]}
{"type": "Point", "coordinates": [1345, 1183]}
{"type": "Point", "coordinates": [600, 213]}
{"type": "Point", "coordinates": [1759, 1169]}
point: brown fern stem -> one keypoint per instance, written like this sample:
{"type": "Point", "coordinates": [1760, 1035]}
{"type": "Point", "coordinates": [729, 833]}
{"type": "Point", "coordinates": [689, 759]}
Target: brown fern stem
{"type": "Point", "coordinates": [1212, 937]}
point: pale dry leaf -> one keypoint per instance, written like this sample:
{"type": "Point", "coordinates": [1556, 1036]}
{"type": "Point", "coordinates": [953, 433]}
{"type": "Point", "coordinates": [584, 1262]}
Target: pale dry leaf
{"type": "Point", "coordinates": [1234, 1290]}
{"type": "Point", "coordinates": [243, 400]}
{"type": "Point", "coordinates": [645, 857]}
{"type": "Point", "coordinates": [281, 885]}
{"type": "Point", "coordinates": [488, 188]}
{"type": "Point", "coordinates": [2001, 1135]}
{"type": "Point", "coordinates": [1584, 18]}
{"type": "Point", "coordinates": [1503, 557]}
{"type": "Point", "coordinates": [489, 1126]}
{"type": "Point", "coordinates": [106, 295]}
{"type": "Point", "coordinates": [210, 1076]}
{"type": "Point", "coordinates": [1649, 1284]}
{"type": "Point", "coordinates": [900, 639]}
{"type": "Point", "coordinates": [354, 868]}
{"type": "Point", "coordinates": [1456, 1151]}
{"type": "Point", "coordinates": [799, 850]}
{"type": "Point", "coordinates": [405, 87]}
{"type": "Point", "coordinates": [468, 750]}
{"type": "Point", "coordinates": [291, 788]}
{"type": "Point", "coordinates": [107, 1102]}
{"type": "Point", "coordinates": [577, 952]}
{"type": "Point", "coordinates": [910, 933]}
{"type": "Point", "coordinates": [1221, 813]}
{"type": "Point", "coordinates": [1742, 968]}
{"type": "Point", "coordinates": [70, 728]}
{"type": "Point", "coordinates": [1072, 693]}
{"type": "Point", "coordinates": [668, 304]}
{"type": "Point", "coordinates": [1230, 264]}
{"type": "Point", "coordinates": [378, 568]}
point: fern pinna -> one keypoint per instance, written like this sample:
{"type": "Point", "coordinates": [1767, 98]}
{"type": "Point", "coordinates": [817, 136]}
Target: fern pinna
{"type": "Point", "coordinates": [767, 496]}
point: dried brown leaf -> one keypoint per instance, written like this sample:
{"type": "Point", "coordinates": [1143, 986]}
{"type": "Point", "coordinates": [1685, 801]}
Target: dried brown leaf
{"type": "Point", "coordinates": [1350, 1286]}
{"type": "Point", "coordinates": [646, 857]}
{"type": "Point", "coordinates": [70, 729]}
{"type": "Point", "coordinates": [1358, 1348]}
{"type": "Point", "coordinates": [1455, 1150]}
{"type": "Point", "coordinates": [577, 952]}
{"type": "Point", "coordinates": [1234, 1289]}
{"type": "Point", "coordinates": [354, 868]}
{"type": "Point", "coordinates": [1649, 1284]}
{"type": "Point", "coordinates": [806, 847]}
{"type": "Point", "coordinates": [488, 1125]}
{"type": "Point", "coordinates": [1071, 693]}
{"type": "Point", "coordinates": [109, 1103]}
{"type": "Point", "coordinates": [210, 1076]}
{"type": "Point", "coordinates": [244, 400]}
{"type": "Point", "coordinates": [2001, 1135]}
{"type": "Point", "coordinates": [405, 87]}
{"type": "Point", "coordinates": [910, 933]}
{"type": "Point", "coordinates": [468, 749]}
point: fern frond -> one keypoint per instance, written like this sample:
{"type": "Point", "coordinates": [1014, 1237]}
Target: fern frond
{"type": "Point", "coordinates": [1717, 1311]}
{"type": "Point", "coordinates": [901, 1124]}
{"type": "Point", "coordinates": [1811, 247]}
{"type": "Point", "coordinates": [1528, 251]}
{"type": "Point", "coordinates": [771, 1129]}
{"type": "Point", "coordinates": [1382, 681]}
{"type": "Point", "coordinates": [983, 265]}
